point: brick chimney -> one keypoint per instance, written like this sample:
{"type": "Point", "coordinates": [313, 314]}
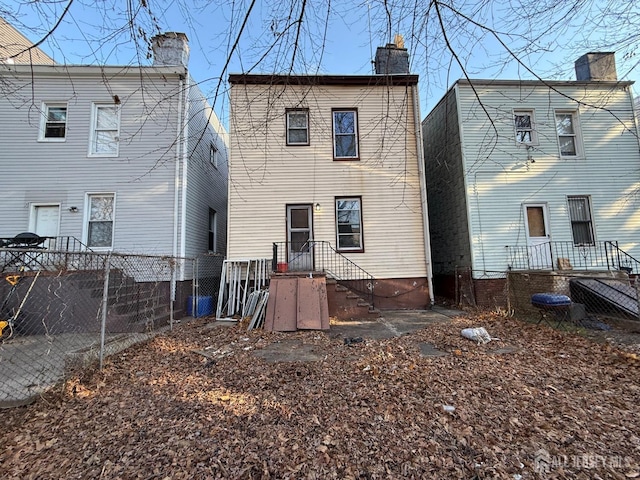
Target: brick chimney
{"type": "Point", "coordinates": [392, 58]}
{"type": "Point", "coordinates": [171, 48]}
{"type": "Point", "coordinates": [596, 66]}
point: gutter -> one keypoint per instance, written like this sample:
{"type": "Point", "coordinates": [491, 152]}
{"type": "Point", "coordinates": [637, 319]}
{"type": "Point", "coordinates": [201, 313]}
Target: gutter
{"type": "Point", "coordinates": [423, 192]}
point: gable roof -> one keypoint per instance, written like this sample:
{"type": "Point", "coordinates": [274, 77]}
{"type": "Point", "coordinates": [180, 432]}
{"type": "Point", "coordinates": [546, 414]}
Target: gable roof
{"type": "Point", "coordinates": [16, 48]}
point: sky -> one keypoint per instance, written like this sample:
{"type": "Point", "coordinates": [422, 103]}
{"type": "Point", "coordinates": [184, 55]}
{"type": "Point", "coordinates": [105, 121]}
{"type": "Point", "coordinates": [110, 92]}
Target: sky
{"type": "Point", "coordinates": [340, 37]}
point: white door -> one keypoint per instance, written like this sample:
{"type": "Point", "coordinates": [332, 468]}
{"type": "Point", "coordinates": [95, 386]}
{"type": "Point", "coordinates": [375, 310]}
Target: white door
{"type": "Point", "coordinates": [538, 237]}
{"type": "Point", "coordinates": [300, 237]}
{"type": "Point", "coordinates": [46, 221]}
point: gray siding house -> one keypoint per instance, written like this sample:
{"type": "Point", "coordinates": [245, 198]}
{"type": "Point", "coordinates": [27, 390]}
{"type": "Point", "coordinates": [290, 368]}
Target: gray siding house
{"type": "Point", "coordinates": [121, 158]}
{"type": "Point", "coordinates": [533, 175]}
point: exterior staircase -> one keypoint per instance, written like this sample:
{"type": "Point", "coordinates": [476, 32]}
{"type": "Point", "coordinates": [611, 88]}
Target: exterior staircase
{"type": "Point", "coordinates": [346, 304]}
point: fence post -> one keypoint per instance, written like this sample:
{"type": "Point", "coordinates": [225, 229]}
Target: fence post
{"type": "Point", "coordinates": [172, 291]}
{"type": "Point", "coordinates": [105, 302]}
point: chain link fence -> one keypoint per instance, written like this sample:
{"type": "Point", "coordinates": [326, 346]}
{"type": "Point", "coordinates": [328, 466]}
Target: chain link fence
{"type": "Point", "coordinates": [589, 299]}
{"type": "Point", "coordinates": [59, 317]}
{"type": "Point", "coordinates": [585, 298]}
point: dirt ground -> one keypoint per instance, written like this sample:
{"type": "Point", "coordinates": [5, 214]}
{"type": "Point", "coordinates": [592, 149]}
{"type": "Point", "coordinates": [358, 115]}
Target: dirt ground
{"type": "Point", "coordinates": [201, 402]}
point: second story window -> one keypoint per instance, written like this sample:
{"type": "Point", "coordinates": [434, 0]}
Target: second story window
{"type": "Point", "coordinates": [297, 127]}
{"type": "Point", "coordinates": [213, 155]}
{"type": "Point", "coordinates": [525, 133]}
{"type": "Point", "coordinates": [345, 134]}
{"type": "Point", "coordinates": [566, 126]}
{"type": "Point", "coordinates": [105, 131]}
{"type": "Point", "coordinates": [53, 127]}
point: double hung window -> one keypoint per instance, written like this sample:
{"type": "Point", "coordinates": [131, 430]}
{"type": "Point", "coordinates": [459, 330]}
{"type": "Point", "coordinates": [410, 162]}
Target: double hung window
{"type": "Point", "coordinates": [345, 134]}
{"type": "Point", "coordinates": [525, 134]}
{"type": "Point", "coordinates": [349, 224]}
{"type": "Point", "coordinates": [105, 131]}
{"type": "Point", "coordinates": [100, 221]}
{"type": "Point", "coordinates": [581, 224]}
{"type": "Point", "coordinates": [298, 127]}
{"type": "Point", "coordinates": [53, 127]}
{"type": "Point", "coordinates": [567, 129]}
{"type": "Point", "coordinates": [213, 155]}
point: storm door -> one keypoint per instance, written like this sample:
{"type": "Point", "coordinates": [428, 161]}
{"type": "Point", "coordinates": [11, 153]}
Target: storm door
{"type": "Point", "coordinates": [300, 237]}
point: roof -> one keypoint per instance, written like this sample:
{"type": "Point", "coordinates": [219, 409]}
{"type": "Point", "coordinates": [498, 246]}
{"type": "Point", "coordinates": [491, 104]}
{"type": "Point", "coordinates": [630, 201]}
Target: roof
{"type": "Point", "coordinates": [362, 80]}
{"type": "Point", "coordinates": [18, 48]}
{"type": "Point", "coordinates": [534, 83]}
{"type": "Point", "coordinates": [94, 70]}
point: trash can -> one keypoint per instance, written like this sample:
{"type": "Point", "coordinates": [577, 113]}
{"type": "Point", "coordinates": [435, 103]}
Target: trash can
{"type": "Point", "coordinates": [203, 307]}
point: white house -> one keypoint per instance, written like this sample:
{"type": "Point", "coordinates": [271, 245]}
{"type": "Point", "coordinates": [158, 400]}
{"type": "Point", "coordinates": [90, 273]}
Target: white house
{"type": "Point", "coordinates": [118, 158]}
{"type": "Point", "coordinates": [328, 168]}
{"type": "Point", "coordinates": [533, 175]}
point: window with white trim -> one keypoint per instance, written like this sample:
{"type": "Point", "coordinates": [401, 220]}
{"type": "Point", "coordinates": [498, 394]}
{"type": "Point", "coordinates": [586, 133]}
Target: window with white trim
{"type": "Point", "coordinates": [100, 220]}
{"type": "Point", "coordinates": [53, 125]}
{"type": "Point", "coordinates": [298, 127]}
{"type": "Point", "coordinates": [105, 131]}
{"type": "Point", "coordinates": [349, 224]}
{"type": "Point", "coordinates": [213, 155]}
{"type": "Point", "coordinates": [581, 224]}
{"type": "Point", "coordinates": [213, 230]}
{"type": "Point", "coordinates": [567, 129]}
{"type": "Point", "coordinates": [345, 134]}
{"type": "Point", "coordinates": [523, 122]}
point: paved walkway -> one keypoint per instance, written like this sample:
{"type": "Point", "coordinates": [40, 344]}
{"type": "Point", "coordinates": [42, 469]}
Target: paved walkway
{"type": "Point", "coordinates": [392, 323]}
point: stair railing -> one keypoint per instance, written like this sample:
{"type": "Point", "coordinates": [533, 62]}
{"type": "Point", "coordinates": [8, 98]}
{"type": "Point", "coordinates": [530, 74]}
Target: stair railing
{"type": "Point", "coordinates": [324, 258]}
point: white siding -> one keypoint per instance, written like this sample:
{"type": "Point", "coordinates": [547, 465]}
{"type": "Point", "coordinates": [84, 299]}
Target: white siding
{"type": "Point", "coordinates": [207, 185]}
{"type": "Point", "coordinates": [266, 175]}
{"type": "Point", "coordinates": [500, 177]}
{"type": "Point", "coordinates": [143, 176]}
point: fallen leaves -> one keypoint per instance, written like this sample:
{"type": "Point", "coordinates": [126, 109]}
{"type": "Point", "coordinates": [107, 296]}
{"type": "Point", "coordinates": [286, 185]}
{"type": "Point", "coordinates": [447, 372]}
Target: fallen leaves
{"type": "Point", "coordinates": [204, 402]}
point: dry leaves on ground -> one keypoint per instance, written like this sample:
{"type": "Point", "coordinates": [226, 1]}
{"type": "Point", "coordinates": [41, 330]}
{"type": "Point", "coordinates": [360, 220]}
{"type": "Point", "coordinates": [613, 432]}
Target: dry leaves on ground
{"type": "Point", "coordinates": [199, 403]}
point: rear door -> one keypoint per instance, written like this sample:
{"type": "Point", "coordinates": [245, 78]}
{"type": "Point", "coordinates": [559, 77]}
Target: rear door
{"type": "Point", "coordinates": [300, 237]}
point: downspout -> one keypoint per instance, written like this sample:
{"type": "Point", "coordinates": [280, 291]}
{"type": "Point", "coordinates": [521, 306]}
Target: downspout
{"type": "Point", "coordinates": [423, 192]}
{"type": "Point", "coordinates": [185, 159]}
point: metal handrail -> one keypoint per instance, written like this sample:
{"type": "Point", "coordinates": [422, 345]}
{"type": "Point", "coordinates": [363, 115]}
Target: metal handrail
{"type": "Point", "coordinates": [50, 253]}
{"type": "Point", "coordinates": [321, 256]}
{"type": "Point", "coordinates": [603, 255]}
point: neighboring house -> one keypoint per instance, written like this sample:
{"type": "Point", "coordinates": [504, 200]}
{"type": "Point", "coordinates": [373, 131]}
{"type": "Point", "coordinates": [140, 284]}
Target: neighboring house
{"type": "Point", "coordinates": [16, 48]}
{"type": "Point", "coordinates": [325, 168]}
{"type": "Point", "coordinates": [533, 175]}
{"type": "Point", "coordinates": [121, 158]}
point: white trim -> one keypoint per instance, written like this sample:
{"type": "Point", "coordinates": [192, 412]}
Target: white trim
{"type": "Point", "coordinates": [87, 214]}
{"type": "Point", "coordinates": [298, 111]}
{"type": "Point", "coordinates": [534, 134]}
{"type": "Point", "coordinates": [591, 219]}
{"type": "Point", "coordinates": [44, 117]}
{"type": "Point", "coordinates": [423, 192]}
{"type": "Point", "coordinates": [32, 214]}
{"type": "Point", "coordinates": [95, 106]}
{"type": "Point", "coordinates": [577, 135]}
{"type": "Point", "coordinates": [545, 213]}
{"type": "Point", "coordinates": [214, 154]}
